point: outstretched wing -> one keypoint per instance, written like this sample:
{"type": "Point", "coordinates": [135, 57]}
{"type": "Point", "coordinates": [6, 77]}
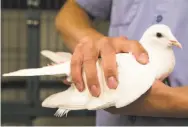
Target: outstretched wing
{"type": "Point", "coordinates": [59, 69]}
{"type": "Point", "coordinates": [57, 57]}
{"type": "Point", "coordinates": [62, 68]}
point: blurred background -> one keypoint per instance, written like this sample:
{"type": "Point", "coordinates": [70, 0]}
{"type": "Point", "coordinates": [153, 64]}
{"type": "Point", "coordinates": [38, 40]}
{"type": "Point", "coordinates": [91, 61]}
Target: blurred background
{"type": "Point", "coordinates": [27, 27]}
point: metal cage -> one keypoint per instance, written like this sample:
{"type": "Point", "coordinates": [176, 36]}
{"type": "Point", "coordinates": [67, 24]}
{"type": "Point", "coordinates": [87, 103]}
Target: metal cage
{"type": "Point", "coordinates": [27, 28]}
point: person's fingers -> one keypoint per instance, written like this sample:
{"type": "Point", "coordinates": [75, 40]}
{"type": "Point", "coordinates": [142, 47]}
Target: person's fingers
{"type": "Point", "coordinates": [63, 79]}
{"type": "Point", "coordinates": [89, 62]}
{"type": "Point", "coordinates": [91, 77]}
{"type": "Point", "coordinates": [76, 68]}
{"type": "Point", "coordinates": [109, 63]}
{"type": "Point", "coordinates": [66, 82]}
{"type": "Point", "coordinates": [123, 45]}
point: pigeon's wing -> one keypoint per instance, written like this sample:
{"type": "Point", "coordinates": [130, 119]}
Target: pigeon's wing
{"type": "Point", "coordinates": [134, 79]}
{"type": "Point", "coordinates": [70, 99]}
{"type": "Point", "coordinates": [62, 69]}
{"type": "Point", "coordinates": [98, 104]}
{"type": "Point", "coordinates": [57, 57]}
{"type": "Point", "coordinates": [66, 101]}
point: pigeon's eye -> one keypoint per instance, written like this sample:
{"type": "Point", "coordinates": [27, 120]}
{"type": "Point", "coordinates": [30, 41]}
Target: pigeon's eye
{"type": "Point", "coordinates": [159, 35]}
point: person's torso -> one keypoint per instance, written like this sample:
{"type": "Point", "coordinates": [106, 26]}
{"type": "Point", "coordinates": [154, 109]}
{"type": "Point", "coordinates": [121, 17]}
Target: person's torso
{"type": "Point", "coordinates": [131, 18]}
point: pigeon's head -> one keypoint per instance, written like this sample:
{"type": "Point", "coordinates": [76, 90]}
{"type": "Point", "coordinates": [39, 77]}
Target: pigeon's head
{"type": "Point", "coordinates": [160, 34]}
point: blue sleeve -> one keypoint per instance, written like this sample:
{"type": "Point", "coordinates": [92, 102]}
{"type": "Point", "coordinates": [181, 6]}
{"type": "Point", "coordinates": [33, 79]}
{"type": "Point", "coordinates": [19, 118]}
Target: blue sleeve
{"type": "Point", "coordinates": [96, 8]}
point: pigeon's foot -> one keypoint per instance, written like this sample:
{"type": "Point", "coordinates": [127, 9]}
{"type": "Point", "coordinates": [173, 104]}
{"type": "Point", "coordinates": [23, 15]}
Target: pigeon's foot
{"type": "Point", "coordinates": [61, 112]}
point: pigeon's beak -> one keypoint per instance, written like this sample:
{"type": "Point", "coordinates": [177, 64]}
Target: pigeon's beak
{"type": "Point", "coordinates": [176, 43]}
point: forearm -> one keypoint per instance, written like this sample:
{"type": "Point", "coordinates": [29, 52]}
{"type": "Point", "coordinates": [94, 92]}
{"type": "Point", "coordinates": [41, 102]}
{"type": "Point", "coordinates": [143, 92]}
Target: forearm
{"type": "Point", "coordinates": [73, 24]}
{"type": "Point", "coordinates": [181, 103]}
{"type": "Point", "coordinates": [168, 102]}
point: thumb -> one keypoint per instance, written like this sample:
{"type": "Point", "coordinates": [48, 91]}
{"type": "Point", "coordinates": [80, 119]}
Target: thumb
{"type": "Point", "coordinates": [124, 45]}
{"type": "Point", "coordinates": [139, 52]}
{"type": "Point", "coordinates": [142, 57]}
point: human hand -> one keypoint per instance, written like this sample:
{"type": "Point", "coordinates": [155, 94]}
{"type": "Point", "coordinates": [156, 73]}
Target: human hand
{"type": "Point", "coordinates": [87, 52]}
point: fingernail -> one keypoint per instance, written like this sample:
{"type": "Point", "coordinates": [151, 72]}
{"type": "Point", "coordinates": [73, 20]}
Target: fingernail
{"type": "Point", "coordinates": [143, 58]}
{"type": "Point", "coordinates": [80, 87]}
{"type": "Point", "coordinates": [112, 83]}
{"type": "Point", "coordinates": [94, 90]}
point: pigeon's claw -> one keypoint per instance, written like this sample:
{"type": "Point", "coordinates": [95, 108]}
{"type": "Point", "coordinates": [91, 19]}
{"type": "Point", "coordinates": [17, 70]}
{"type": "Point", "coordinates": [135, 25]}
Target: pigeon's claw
{"type": "Point", "coordinates": [61, 112]}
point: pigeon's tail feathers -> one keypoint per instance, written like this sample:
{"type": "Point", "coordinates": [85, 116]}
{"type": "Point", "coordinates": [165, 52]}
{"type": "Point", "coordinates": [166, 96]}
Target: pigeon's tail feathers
{"type": "Point", "coordinates": [59, 70]}
{"type": "Point", "coordinates": [70, 99]}
{"type": "Point", "coordinates": [57, 57]}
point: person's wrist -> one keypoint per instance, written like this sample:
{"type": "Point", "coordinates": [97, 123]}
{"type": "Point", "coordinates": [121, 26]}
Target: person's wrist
{"type": "Point", "coordinates": [94, 33]}
{"type": "Point", "coordinates": [91, 36]}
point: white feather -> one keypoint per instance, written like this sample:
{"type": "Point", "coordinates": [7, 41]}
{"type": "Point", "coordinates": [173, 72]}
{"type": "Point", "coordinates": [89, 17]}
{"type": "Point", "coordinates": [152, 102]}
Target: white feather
{"type": "Point", "coordinates": [56, 57]}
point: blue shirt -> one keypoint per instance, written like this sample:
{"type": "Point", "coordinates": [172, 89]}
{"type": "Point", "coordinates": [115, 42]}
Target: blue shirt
{"type": "Point", "coordinates": [131, 18]}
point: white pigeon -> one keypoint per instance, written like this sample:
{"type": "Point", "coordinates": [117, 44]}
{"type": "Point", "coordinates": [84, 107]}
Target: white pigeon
{"type": "Point", "coordinates": [134, 79]}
